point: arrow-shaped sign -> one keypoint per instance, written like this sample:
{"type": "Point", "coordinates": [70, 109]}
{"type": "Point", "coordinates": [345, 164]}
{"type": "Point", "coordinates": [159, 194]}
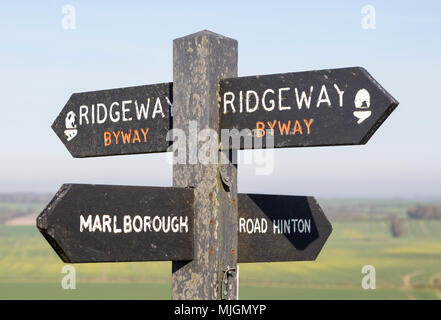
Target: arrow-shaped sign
{"type": "Point", "coordinates": [99, 223]}
{"type": "Point", "coordinates": [302, 109]}
{"type": "Point", "coordinates": [280, 228]}
{"type": "Point", "coordinates": [314, 108]}
{"type": "Point", "coordinates": [117, 121]}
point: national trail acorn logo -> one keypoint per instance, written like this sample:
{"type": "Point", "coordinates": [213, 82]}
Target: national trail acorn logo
{"type": "Point", "coordinates": [71, 130]}
{"type": "Point", "coordinates": [362, 101]}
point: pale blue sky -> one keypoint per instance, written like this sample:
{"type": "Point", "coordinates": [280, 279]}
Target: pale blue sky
{"type": "Point", "coordinates": [118, 44]}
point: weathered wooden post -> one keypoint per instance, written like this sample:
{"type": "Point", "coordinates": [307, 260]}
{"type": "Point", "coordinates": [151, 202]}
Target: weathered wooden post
{"type": "Point", "coordinates": [200, 60]}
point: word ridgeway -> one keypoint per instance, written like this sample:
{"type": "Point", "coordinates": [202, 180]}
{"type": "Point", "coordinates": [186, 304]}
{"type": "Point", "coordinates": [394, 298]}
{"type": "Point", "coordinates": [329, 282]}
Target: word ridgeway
{"type": "Point", "coordinates": [116, 111]}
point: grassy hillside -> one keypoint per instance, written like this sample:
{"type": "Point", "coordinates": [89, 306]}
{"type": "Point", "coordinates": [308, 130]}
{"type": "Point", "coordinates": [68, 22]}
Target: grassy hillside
{"type": "Point", "coordinates": [406, 268]}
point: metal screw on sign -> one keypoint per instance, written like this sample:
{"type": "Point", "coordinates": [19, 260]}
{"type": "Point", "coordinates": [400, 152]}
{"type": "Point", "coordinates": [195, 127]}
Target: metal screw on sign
{"type": "Point", "coordinates": [228, 273]}
{"type": "Point", "coordinates": [225, 178]}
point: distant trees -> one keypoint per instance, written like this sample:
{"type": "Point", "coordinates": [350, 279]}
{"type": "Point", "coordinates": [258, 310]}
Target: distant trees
{"type": "Point", "coordinates": [25, 197]}
{"type": "Point", "coordinates": [437, 282]}
{"type": "Point", "coordinates": [424, 212]}
{"type": "Point", "coordinates": [396, 226]}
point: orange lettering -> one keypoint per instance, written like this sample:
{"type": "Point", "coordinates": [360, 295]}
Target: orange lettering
{"type": "Point", "coordinates": [297, 128]}
{"type": "Point", "coordinates": [116, 136]}
{"type": "Point", "coordinates": [107, 138]}
{"type": "Point", "coordinates": [308, 124]}
{"type": "Point", "coordinates": [126, 136]}
{"type": "Point", "coordinates": [136, 136]}
{"type": "Point", "coordinates": [272, 126]}
{"type": "Point", "coordinates": [260, 129]}
{"type": "Point", "coordinates": [284, 127]}
{"type": "Point", "coordinates": [145, 134]}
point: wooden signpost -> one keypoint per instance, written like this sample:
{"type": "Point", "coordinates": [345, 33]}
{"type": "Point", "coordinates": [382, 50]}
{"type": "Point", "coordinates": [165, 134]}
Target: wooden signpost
{"type": "Point", "coordinates": [201, 223]}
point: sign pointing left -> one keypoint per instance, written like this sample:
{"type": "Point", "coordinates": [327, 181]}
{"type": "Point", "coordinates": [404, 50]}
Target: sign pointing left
{"type": "Point", "coordinates": [99, 223]}
{"type": "Point", "coordinates": [117, 121]}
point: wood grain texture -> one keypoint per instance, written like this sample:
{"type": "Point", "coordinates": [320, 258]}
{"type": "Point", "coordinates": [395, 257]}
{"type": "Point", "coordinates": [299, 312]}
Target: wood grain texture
{"type": "Point", "coordinates": [199, 61]}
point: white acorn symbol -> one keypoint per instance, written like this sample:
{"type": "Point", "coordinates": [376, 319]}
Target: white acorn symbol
{"type": "Point", "coordinates": [69, 122]}
{"type": "Point", "coordinates": [362, 101]}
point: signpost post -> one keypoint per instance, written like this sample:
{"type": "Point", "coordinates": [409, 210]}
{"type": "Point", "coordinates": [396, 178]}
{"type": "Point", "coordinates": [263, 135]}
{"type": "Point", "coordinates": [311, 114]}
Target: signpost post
{"type": "Point", "coordinates": [199, 61]}
{"type": "Point", "coordinates": [201, 224]}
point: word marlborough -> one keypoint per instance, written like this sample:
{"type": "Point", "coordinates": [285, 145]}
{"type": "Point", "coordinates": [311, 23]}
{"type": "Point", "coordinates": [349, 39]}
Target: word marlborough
{"type": "Point", "coordinates": [108, 223]}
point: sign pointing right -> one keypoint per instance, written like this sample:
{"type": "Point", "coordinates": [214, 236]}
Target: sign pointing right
{"type": "Point", "coordinates": [280, 228]}
{"type": "Point", "coordinates": [314, 108]}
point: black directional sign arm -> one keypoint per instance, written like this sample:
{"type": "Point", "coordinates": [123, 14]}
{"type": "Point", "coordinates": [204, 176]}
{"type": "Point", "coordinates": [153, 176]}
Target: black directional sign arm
{"type": "Point", "coordinates": [314, 108]}
{"type": "Point", "coordinates": [98, 223]}
{"type": "Point", "coordinates": [280, 228]}
{"type": "Point", "coordinates": [48, 231]}
{"type": "Point", "coordinates": [117, 121]}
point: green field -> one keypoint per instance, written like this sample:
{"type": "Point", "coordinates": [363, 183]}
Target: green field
{"type": "Point", "coordinates": [406, 268]}
{"type": "Point", "coordinates": [9, 210]}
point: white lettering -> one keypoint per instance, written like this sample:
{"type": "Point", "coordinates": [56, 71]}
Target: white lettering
{"type": "Point", "coordinates": [340, 95]}
{"type": "Point", "coordinates": [229, 102]}
{"type": "Point", "coordinates": [101, 106]}
{"type": "Point", "coordinates": [271, 101]}
{"type": "Point", "coordinates": [127, 224]}
{"type": "Point", "coordinates": [143, 110]}
{"type": "Point", "coordinates": [320, 100]}
{"type": "Point", "coordinates": [84, 110]}
{"type": "Point", "coordinates": [247, 102]}
{"type": "Point", "coordinates": [125, 110]}
{"type": "Point", "coordinates": [281, 107]}
{"type": "Point", "coordinates": [158, 108]}
{"type": "Point", "coordinates": [116, 119]}
{"type": "Point", "coordinates": [86, 224]}
{"type": "Point", "coordinates": [303, 97]}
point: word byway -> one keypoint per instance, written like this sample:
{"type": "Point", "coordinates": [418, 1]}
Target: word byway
{"type": "Point", "coordinates": [125, 136]}
{"type": "Point", "coordinates": [284, 127]}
